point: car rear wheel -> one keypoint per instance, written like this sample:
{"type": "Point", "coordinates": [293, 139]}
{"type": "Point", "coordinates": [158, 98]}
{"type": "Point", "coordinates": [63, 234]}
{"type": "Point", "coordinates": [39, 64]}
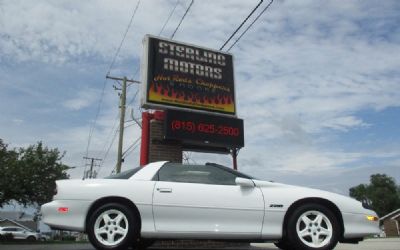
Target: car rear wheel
{"type": "Point", "coordinates": [312, 227]}
{"type": "Point", "coordinates": [113, 226]}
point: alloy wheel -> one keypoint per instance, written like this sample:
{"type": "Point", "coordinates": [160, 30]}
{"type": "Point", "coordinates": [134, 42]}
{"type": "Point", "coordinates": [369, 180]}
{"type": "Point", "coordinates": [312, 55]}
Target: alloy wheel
{"type": "Point", "coordinates": [111, 227]}
{"type": "Point", "coordinates": [314, 229]}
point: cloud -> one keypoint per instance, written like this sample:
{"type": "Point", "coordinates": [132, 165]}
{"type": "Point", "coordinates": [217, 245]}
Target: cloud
{"type": "Point", "coordinates": [17, 121]}
{"type": "Point", "coordinates": [84, 99]}
{"type": "Point", "coordinates": [57, 33]}
{"type": "Point", "coordinates": [344, 123]}
{"type": "Point", "coordinates": [306, 74]}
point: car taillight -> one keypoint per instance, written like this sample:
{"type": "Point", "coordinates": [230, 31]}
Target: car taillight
{"type": "Point", "coordinates": [63, 210]}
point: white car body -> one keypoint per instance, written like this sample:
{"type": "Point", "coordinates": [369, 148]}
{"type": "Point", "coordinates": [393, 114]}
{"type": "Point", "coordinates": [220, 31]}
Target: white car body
{"type": "Point", "coordinates": [252, 209]}
{"type": "Point", "coordinates": [19, 233]}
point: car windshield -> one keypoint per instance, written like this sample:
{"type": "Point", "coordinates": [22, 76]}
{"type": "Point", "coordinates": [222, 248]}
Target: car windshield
{"type": "Point", "coordinates": [125, 174]}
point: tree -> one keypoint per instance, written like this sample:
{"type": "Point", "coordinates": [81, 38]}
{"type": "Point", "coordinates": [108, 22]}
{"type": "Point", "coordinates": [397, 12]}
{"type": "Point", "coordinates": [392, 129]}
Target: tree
{"type": "Point", "coordinates": [28, 175]}
{"type": "Point", "coordinates": [8, 159]}
{"type": "Point", "coordinates": [382, 193]}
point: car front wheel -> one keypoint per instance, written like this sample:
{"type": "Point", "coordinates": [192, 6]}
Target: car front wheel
{"type": "Point", "coordinates": [31, 238]}
{"type": "Point", "coordinates": [312, 227]}
{"type": "Point", "coordinates": [112, 226]}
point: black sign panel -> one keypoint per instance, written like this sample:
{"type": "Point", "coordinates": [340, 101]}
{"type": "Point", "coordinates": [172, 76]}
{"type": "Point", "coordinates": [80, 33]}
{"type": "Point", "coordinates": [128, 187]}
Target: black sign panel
{"type": "Point", "coordinates": [182, 76]}
{"type": "Point", "coordinates": [203, 129]}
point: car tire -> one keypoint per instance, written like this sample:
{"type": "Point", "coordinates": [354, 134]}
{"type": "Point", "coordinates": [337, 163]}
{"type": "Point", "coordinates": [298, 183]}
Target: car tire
{"type": "Point", "coordinates": [113, 226]}
{"type": "Point", "coordinates": [312, 227]}
{"type": "Point", "coordinates": [31, 238]}
{"type": "Point", "coordinates": [284, 245]}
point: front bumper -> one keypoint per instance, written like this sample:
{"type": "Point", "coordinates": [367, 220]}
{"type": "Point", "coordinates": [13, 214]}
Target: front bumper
{"type": "Point", "coordinates": [356, 225]}
{"type": "Point", "coordinates": [66, 214]}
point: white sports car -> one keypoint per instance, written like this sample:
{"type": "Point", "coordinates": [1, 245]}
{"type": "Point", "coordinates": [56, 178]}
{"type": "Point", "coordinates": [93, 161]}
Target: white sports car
{"type": "Point", "coordinates": [173, 201]}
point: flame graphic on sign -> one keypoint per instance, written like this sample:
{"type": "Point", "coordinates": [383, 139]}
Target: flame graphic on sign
{"type": "Point", "coordinates": [211, 101]}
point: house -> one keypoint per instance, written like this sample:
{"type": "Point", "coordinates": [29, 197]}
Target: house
{"type": "Point", "coordinates": [18, 218]}
{"type": "Point", "coordinates": [391, 223]}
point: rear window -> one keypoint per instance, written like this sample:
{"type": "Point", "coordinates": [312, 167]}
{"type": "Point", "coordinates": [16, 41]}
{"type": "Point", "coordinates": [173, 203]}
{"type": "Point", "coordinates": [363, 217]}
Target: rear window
{"type": "Point", "coordinates": [125, 174]}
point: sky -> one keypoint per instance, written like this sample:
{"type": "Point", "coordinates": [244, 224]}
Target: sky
{"type": "Point", "coordinates": [317, 82]}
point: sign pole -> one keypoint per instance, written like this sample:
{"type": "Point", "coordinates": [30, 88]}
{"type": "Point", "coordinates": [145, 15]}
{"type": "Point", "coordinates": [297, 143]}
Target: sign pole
{"type": "Point", "coordinates": [234, 158]}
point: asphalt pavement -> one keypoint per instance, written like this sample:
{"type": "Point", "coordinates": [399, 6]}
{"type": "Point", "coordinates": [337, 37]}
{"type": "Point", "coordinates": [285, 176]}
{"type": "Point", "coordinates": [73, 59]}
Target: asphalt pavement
{"type": "Point", "coordinates": [370, 244]}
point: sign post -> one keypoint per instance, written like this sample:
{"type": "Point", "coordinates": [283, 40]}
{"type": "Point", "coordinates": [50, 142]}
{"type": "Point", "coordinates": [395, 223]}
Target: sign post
{"type": "Point", "coordinates": [195, 87]}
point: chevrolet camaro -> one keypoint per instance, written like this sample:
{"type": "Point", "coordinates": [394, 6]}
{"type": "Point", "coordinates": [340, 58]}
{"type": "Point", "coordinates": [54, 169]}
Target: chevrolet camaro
{"type": "Point", "coordinates": [174, 201]}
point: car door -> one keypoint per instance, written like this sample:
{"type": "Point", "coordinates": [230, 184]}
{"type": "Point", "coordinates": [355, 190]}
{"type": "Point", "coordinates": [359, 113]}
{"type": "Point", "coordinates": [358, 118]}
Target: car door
{"type": "Point", "coordinates": [199, 201]}
{"type": "Point", "coordinates": [19, 233]}
{"type": "Point", "coordinates": [9, 230]}
{"type": "Point", "coordinates": [15, 232]}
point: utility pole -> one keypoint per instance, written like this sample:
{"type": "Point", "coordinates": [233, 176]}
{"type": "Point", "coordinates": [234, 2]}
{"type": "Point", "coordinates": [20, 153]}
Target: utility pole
{"type": "Point", "coordinates": [121, 125]}
{"type": "Point", "coordinates": [90, 174]}
{"type": "Point", "coordinates": [122, 106]}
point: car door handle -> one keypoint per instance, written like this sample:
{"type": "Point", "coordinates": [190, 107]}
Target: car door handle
{"type": "Point", "coordinates": [164, 190]}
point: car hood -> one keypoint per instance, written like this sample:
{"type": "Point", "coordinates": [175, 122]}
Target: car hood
{"type": "Point", "coordinates": [288, 194]}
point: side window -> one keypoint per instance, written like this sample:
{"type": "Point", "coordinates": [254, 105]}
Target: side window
{"type": "Point", "coordinates": [220, 177]}
{"type": "Point", "coordinates": [171, 173]}
{"type": "Point", "coordinates": [196, 174]}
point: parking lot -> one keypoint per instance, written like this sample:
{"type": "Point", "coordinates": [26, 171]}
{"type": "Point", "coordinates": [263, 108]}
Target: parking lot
{"type": "Point", "coordinates": [370, 244]}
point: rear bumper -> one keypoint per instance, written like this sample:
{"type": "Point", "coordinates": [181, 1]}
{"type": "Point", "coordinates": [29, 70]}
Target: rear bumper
{"type": "Point", "coordinates": [66, 214]}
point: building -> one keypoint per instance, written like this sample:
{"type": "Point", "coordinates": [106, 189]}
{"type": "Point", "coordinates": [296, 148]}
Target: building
{"type": "Point", "coordinates": [391, 223]}
{"type": "Point", "coordinates": [18, 218]}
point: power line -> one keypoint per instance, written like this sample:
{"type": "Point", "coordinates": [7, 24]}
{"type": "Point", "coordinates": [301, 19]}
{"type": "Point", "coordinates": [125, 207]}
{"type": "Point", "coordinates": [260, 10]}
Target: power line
{"type": "Point", "coordinates": [169, 17]}
{"type": "Point", "coordinates": [93, 125]}
{"type": "Point", "coordinates": [138, 68]}
{"type": "Point", "coordinates": [91, 173]}
{"type": "Point", "coordinates": [240, 26]}
{"type": "Point", "coordinates": [113, 139]}
{"type": "Point", "coordinates": [137, 91]}
{"type": "Point", "coordinates": [134, 97]}
{"type": "Point", "coordinates": [131, 147]}
{"type": "Point", "coordinates": [123, 38]}
{"type": "Point", "coordinates": [255, 20]}
{"type": "Point", "coordinates": [110, 134]}
{"type": "Point", "coordinates": [108, 150]}
{"type": "Point", "coordinates": [183, 17]}
{"type": "Point", "coordinates": [115, 134]}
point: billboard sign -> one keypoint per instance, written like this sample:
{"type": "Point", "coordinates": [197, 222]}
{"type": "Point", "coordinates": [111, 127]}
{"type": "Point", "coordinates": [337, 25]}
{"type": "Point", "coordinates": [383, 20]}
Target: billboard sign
{"type": "Point", "coordinates": [204, 129]}
{"type": "Point", "coordinates": [181, 76]}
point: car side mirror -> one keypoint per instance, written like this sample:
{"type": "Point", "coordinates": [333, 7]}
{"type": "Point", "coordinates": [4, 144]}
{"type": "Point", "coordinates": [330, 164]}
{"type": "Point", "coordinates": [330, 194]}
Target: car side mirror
{"type": "Point", "coordinates": [243, 182]}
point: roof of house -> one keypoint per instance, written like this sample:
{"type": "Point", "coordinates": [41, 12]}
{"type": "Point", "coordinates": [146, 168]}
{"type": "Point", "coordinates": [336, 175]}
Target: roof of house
{"type": "Point", "coordinates": [392, 215]}
{"type": "Point", "coordinates": [17, 224]}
